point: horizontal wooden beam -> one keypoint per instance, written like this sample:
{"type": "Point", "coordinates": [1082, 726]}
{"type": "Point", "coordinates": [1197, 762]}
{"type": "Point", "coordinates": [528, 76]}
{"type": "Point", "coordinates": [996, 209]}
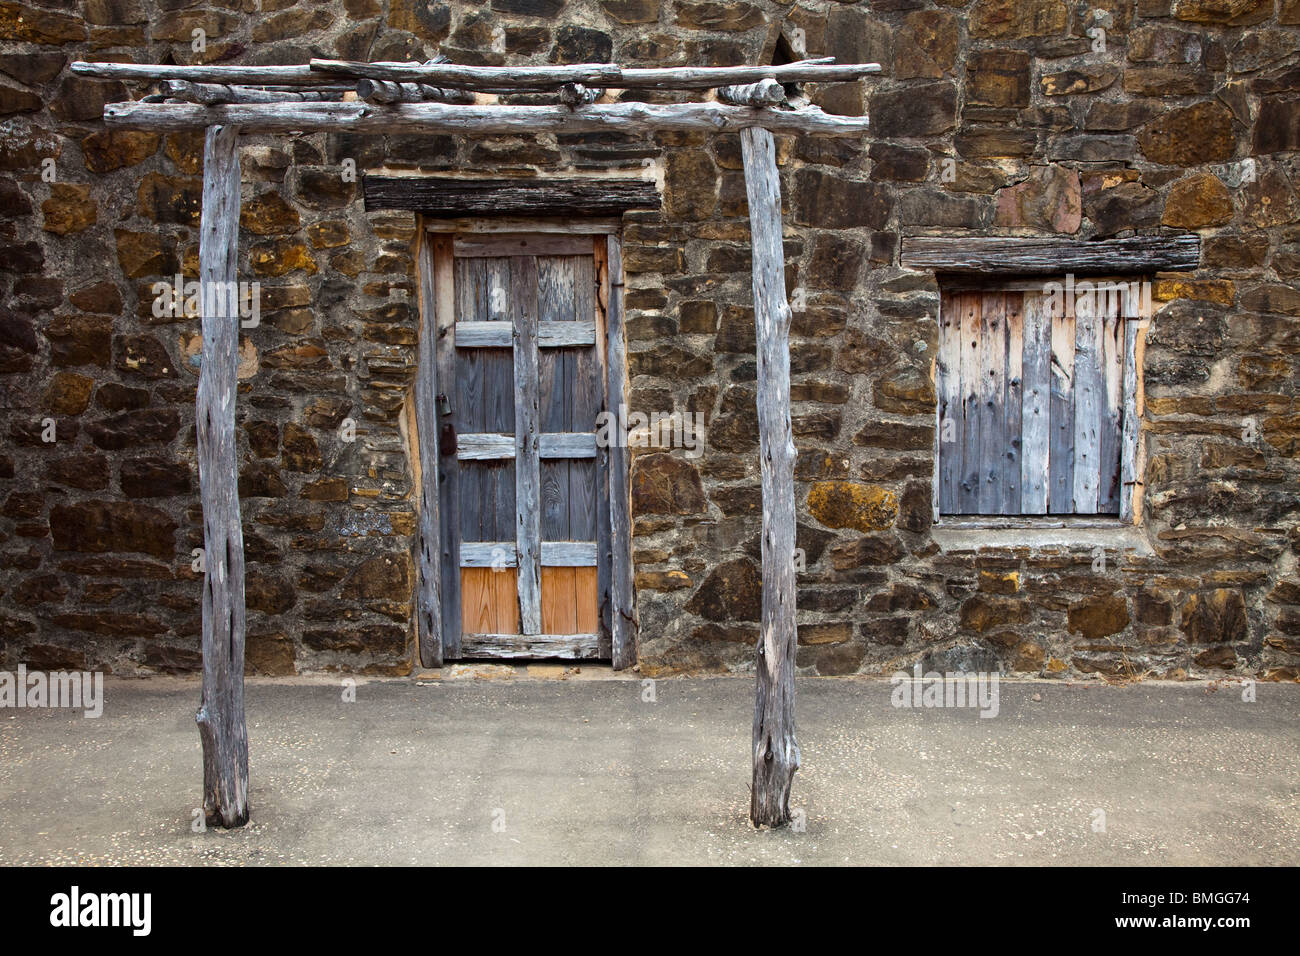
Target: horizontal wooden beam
{"type": "Point", "coordinates": [298, 75]}
{"type": "Point", "coordinates": [443, 196]}
{"type": "Point", "coordinates": [492, 446]}
{"type": "Point", "coordinates": [502, 554]}
{"type": "Point", "coordinates": [1011, 255]}
{"type": "Point", "coordinates": [211, 94]}
{"type": "Point", "coordinates": [509, 646]}
{"type": "Point", "coordinates": [488, 79]}
{"type": "Point", "coordinates": [625, 118]}
{"type": "Point", "coordinates": [499, 79]}
{"type": "Point", "coordinates": [500, 335]}
{"type": "Point", "coordinates": [384, 91]}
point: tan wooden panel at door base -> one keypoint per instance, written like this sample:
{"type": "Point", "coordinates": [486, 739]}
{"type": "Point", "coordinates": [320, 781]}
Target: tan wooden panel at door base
{"type": "Point", "coordinates": [489, 601]}
{"type": "Point", "coordinates": [570, 601]}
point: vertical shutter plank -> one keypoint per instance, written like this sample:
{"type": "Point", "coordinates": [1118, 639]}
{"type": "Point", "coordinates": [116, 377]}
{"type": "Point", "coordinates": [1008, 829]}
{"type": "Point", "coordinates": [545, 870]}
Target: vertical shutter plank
{"type": "Point", "coordinates": [1112, 355]}
{"type": "Point", "coordinates": [1037, 378]}
{"type": "Point", "coordinates": [992, 396]}
{"type": "Point", "coordinates": [948, 373]}
{"type": "Point", "coordinates": [968, 493]}
{"type": "Point", "coordinates": [1061, 455]}
{"type": "Point", "coordinates": [1128, 451]}
{"type": "Point", "coordinates": [1088, 388]}
{"type": "Point", "coordinates": [1012, 404]}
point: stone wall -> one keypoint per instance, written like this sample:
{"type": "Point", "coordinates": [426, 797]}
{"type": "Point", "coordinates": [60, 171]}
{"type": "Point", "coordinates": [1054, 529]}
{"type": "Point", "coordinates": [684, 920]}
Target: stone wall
{"type": "Point", "coordinates": [1018, 117]}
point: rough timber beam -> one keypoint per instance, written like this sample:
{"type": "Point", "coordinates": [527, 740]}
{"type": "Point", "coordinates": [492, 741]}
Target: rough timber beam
{"type": "Point", "coordinates": [776, 754]}
{"type": "Point", "coordinates": [477, 120]}
{"type": "Point", "coordinates": [221, 714]}
{"type": "Point", "coordinates": [504, 78]}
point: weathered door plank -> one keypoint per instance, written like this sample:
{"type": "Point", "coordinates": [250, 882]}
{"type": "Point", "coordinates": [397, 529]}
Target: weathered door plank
{"type": "Point", "coordinates": [527, 464]}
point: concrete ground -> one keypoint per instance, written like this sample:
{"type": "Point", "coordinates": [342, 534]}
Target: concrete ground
{"type": "Point", "coordinates": [583, 770]}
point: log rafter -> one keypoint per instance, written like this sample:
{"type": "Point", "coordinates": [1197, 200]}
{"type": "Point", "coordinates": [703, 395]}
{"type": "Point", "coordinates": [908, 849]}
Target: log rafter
{"type": "Point", "coordinates": [467, 120]}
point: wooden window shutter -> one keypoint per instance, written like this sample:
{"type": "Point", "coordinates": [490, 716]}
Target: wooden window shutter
{"type": "Point", "coordinates": [1032, 398]}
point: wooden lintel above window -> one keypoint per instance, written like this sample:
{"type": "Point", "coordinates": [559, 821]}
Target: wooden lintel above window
{"type": "Point", "coordinates": [449, 197]}
{"type": "Point", "coordinates": [1004, 256]}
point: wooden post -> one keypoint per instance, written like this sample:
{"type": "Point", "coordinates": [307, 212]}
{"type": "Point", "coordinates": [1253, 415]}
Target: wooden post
{"type": "Point", "coordinates": [428, 598]}
{"type": "Point", "coordinates": [623, 615]}
{"type": "Point", "coordinates": [776, 754]}
{"type": "Point", "coordinates": [221, 711]}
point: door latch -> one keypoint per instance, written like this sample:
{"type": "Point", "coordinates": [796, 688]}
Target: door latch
{"type": "Point", "coordinates": [447, 440]}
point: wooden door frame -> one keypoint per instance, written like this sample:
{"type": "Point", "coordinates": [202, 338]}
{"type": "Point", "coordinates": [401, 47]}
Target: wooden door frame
{"type": "Point", "coordinates": [438, 621]}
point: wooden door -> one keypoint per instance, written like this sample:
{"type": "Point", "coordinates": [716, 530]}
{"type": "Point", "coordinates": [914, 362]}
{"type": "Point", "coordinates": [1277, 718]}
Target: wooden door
{"type": "Point", "coordinates": [523, 483]}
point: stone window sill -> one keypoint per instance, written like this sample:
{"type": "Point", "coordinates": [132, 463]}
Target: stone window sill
{"type": "Point", "coordinates": [1039, 534]}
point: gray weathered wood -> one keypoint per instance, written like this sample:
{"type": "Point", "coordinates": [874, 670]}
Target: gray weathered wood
{"type": "Point", "coordinates": [493, 446]}
{"type": "Point", "coordinates": [525, 244]}
{"type": "Point", "coordinates": [488, 554]}
{"type": "Point", "coordinates": [484, 446]}
{"type": "Point", "coordinates": [555, 281]}
{"type": "Point", "coordinates": [428, 599]}
{"type": "Point", "coordinates": [523, 271]}
{"type": "Point", "coordinates": [211, 94]}
{"type": "Point", "coordinates": [994, 255]}
{"type": "Point", "coordinates": [1129, 445]}
{"type": "Point", "coordinates": [968, 489]}
{"type": "Point", "coordinates": [296, 75]}
{"type": "Point", "coordinates": [385, 91]}
{"type": "Point", "coordinates": [600, 285]}
{"type": "Point", "coordinates": [585, 400]}
{"type": "Point", "coordinates": [549, 334]}
{"type": "Point", "coordinates": [624, 118]}
{"type": "Point", "coordinates": [1060, 494]}
{"type": "Point", "coordinates": [992, 396]}
{"type": "Point", "coordinates": [766, 92]}
{"type": "Point", "coordinates": [513, 646]}
{"type": "Point", "coordinates": [776, 752]}
{"type": "Point", "coordinates": [623, 614]}
{"type": "Point", "coordinates": [1036, 406]}
{"type": "Point", "coordinates": [1088, 388]}
{"type": "Point", "coordinates": [1110, 412]}
{"type": "Point", "coordinates": [446, 196]}
{"type": "Point", "coordinates": [222, 727]}
{"type": "Point", "coordinates": [574, 95]}
{"type": "Point", "coordinates": [569, 554]}
{"type": "Point", "coordinates": [948, 411]}
{"type": "Point", "coordinates": [554, 554]}
{"type": "Point", "coordinates": [1013, 405]}
{"type": "Point", "coordinates": [444, 302]}
{"type": "Point", "coordinates": [509, 78]}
